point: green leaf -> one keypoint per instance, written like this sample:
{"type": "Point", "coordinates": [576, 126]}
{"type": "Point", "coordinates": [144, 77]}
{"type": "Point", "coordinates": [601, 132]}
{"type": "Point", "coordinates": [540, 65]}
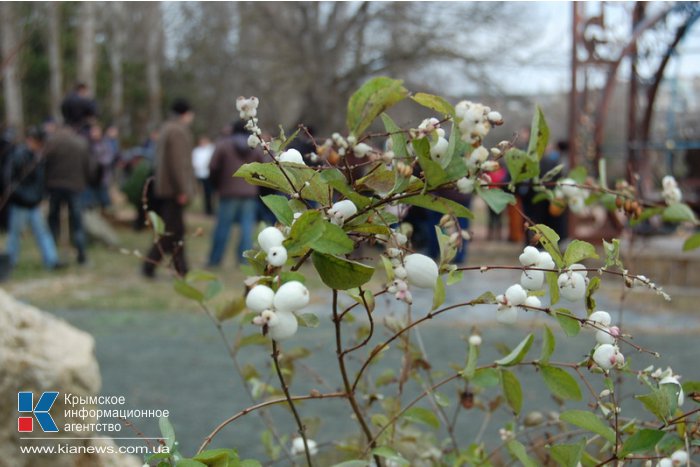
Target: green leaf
{"type": "Point", "coordinates": [218, 457]}
{"type": "Point", "coordinates": [436, 103]}
{"type": "Point", "coordinates": [578, 174]}
{"type": "Point", "coordinates": [661, 402]}
{"type": "Point", "coordinates": [435, 175]}
{"type": "Point", "coordinates": [187, 291]}
{"type": "Point", "coordinates": [568, 455]}
{"type": "Point", "coordinates": [539, 135]}
{"type": "Point", "coordinates": [308, 320]}
{"type": "Point", "coordinates": [588, 421]}
{"type": "Point", "coordinates": [398, 138]}
{"type": "Point", "coordinates": [551, 278]}
{"type": "Point", "coordinates": [512, 390]}
{"type": "Point", "coordinates": [279, 205]}
{"type": "Point", "coordinates": [189, 463]}
{"type": "Point", "coordinates": [577, 251]}
{"type": "Point", "coordinates": [438, 204]}
{"type": "Point", "coordinates": [337, 180]}
{"type": "Point", "coordinates": [518, 353]}
{"type": "Point", "coordinates": [390, 454]}
{"type": "Point", "coordinates": [690, 387]}
{"type": "Point", "coordinates": [612, 253]}
{"type": "Point", "coordinates": [333, 241]}
{"type": "Point", "coordinates": [422, 415]}
{"type": "Point", "coordinates": [441, 399]}
{"type": "Point", "coordinates": [252, 339]}
{"type": "Point", "coordinates": [167, 431]}
{"type": "Point", "coordinates": [308, 228]}
{"type": "Point", "coordinates": [692, 242]}
{"type": "Point", "coordinates": [550, 242]}
{"type": "Point", "coordinates": [472, 358]}
{"type": "Point", "coordinates": [560, 383]}
{"type": "Point", "coordinates": [157, 224]}
{"type": "Point", "coordinates": [522, 165]}
{"type": "Point", "coordinates": [567, 321]}
{"type": "Point", "coordinates": [250, 463]}
{"type": "Point", "coordinates": [518, 451]}
{"type": "Point", "coordinates": [486, 377]}
{"type": "Point", "coordinates": [341, 274]}
{"type": "Point", "coordinates": [496, 199]}
{"type": "Point", "coordinates": [679, 212]}
{"type": "Point", "coordinates": [438, 293]}
{"type": "Point", "coordinates": [373, 98]}
{"type": "Point", "coordinates": [548, 344]}
{"type": "Point", "coordinates": [641, 441]}
{"type": "Point", "coordinates": [593, 285]}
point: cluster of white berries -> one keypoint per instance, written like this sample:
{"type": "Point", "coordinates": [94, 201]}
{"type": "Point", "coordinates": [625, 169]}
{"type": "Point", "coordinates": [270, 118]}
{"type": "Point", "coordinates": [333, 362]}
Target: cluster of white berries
{"type": "Point", "coordinates": [678, 458]}
{"type": "Point", "coordinates": [291, 155]}
{"type": "Point", "coordinates": [671, 192]}
{"type": "Point", "coordinates": [270, 240]}
{"type": "Point", "coordinates": [573, 282]}
{"type": "Point", "coordinates": [575, 196]}
{"type": "Point", "coordinates": [508, 303]}
{"type": "Point", "coordinates": [415, 269]}
{"type": "Point", "coordinates": [248, 109]}
{"type": "Point", "coordinates": [438, 143]}
{"type": "Point", "coordinates": [531, 257]}
{"type": "Point", "coordinates": [277, 308]}
{"type": "Point", "coordinates": [606, 354]}
{"type": "Point", "coordinates": [298, 446]}
{"type": "Point", "coordinates": [341, 211]}
{"type": "Point", "coordinates": [476, 121]}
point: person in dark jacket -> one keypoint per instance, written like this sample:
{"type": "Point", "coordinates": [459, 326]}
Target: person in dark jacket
{"type": "Point", "coordinates": [174, 187]}
{"type": "Point", "coordinates": [237, 198]}
{"type": "Point", "coordinates": [67, 173]}
{"type": "Point", "coordinates": [26, 176]}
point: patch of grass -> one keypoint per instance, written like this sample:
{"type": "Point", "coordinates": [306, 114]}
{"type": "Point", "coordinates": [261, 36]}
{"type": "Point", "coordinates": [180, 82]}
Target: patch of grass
{"type": "Point", "coordinates": [112, 280]}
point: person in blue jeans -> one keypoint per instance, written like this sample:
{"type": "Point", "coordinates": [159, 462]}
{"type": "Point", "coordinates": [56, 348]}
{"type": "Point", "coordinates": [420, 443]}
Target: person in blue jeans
{"type": "Point", "coordinates": [237, 199]}
{"type": "Point", "coordinates": [25, 176]}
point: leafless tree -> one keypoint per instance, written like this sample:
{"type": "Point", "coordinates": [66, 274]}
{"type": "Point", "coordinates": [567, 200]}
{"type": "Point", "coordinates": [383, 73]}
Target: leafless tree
{"type": "Point", "coordinates": [87, 50]}
{"type": "Point", "coordinates": [154, 57]}
{"type": "Point", "coordinates": [116, 23]}
{"type": "Point", "coordinates": [55, 59]}
{"type": "Point", "coordinates": [12, 88]}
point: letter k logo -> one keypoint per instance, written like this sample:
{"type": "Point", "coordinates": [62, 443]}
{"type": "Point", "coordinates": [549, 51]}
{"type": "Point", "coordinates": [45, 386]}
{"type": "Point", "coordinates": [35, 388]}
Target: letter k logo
{"type": "Point", "coordinates": [25, 403]}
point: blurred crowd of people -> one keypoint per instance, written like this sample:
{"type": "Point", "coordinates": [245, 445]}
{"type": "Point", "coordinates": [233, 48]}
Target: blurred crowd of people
{"type": "Point", "coordinates": [75, 164]}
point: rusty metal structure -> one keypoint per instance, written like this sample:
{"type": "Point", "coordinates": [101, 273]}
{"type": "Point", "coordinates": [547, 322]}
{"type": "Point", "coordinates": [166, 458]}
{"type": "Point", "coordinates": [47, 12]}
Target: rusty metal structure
{"type": "Point", "coordinates": [599, 58]}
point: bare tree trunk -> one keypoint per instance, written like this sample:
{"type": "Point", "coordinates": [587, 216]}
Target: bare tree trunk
{"type": "Point", "coordinates": [12, 88]}
{"type": "Point", "coordinates": [116, 60]}
{"type": "Point", "coordinates": [55, 70]}
{"type": "Point", "coordinates": [86, 45]}
{"type": "Point", "coordinates": [153, 59]}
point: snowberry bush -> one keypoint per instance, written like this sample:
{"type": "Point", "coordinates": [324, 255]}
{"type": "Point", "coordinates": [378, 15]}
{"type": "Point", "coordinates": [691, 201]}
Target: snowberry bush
{"type": "Point", "coordinates": [327, 210]}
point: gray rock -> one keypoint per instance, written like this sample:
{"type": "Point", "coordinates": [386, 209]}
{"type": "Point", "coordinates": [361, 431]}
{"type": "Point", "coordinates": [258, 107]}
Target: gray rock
{"type": "Point", "coordinates": [38, 353]}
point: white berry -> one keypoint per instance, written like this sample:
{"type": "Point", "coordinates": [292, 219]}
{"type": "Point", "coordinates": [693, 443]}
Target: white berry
{"type": "Point", "coordinates": [607, 356]}
{"type": "Point", "coordinates": [292, 155]}
{"type": "Point", "coordinates": [530, 256]}
{"type": "Point", "coordinates": [545, 261]}
{"type": "Point", "coordinates": [516, 295]}
{"type": "Point", "coordinates": [665, 462]}
{"type": "Point", "coordinates": [600, 317]}
{"type": "Point", "coordinates": [342, 209]}
{"type": "Point", "coordinates": [259, 298]}
{"type": "Point", "coordinates": [533, 302]}
{"type": "Point", "coordinates": [292, 296]}
{"type": "Point", "coordinates": [361, 149]}
{"type": "Point", "coordinates": [421, 271]}
{"type": "Point", "coordinates": [270, 237]}
{"type": "Point", "coordinates": [475, 340]}
{"type": "Point", "coordinates": [284, 326]}
{"type": "Point", "coordinates": [532, 280]}
{"type": "Point", "coordinates": [507, 314]}
{"type": "Point", "coordinates": [572, 286]}
{"type": "Point", "coordinates": [298, 446]}
{"type": "Point", "coordinates": [465, 185]}
{"type": "Point", "coordinates": [604, 337]}
{"type": "Point", "coordinates": [439, 149]}
{"type": "Point", "coordinates": [679, 458]}
{"type": "Point", "coordinates": [276, 256]}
